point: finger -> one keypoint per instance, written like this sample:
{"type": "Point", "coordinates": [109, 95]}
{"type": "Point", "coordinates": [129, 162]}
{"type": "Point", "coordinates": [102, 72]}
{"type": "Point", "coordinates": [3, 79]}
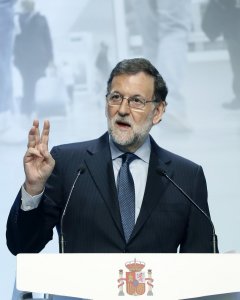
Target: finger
{"type": "Point", "coordinates": [35, 123]}
{"type": "Point", "coordinates": [33, 152]}
{"type": "Point", "coordinates": [32, 135]}
{"type": "Point", "coordinates": [45, 133]}
{"type": "Point", "coordinates": [43, 150]}
{"type": "Point", "coordinates": [37, 131]}
{"type": "Point", "coordinates": [47, 156]}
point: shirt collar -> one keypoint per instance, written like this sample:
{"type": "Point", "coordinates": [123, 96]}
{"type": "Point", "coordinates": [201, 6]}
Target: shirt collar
{"type": "Point", "coordinates": [143, 152]}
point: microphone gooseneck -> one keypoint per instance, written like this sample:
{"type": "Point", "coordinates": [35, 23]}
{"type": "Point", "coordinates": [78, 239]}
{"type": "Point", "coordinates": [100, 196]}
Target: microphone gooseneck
{"type": "Point", "coordinates": [61, 240]}
{"type": "Point", "coordinates": [214, 237]}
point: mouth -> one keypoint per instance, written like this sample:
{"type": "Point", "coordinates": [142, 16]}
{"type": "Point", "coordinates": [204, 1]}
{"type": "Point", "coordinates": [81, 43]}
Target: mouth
{"type": "Point", "coordinates": [123, 125]}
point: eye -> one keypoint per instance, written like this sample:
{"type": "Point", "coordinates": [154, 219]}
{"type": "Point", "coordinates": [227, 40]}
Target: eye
{"type": "Point", "coordinates": [137, 100]}
{"type": "Point", "coordinates": [115, 97]}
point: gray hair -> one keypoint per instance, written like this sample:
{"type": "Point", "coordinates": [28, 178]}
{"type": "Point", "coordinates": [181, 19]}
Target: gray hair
{"type": "Point", "coordinates": [136, 65]}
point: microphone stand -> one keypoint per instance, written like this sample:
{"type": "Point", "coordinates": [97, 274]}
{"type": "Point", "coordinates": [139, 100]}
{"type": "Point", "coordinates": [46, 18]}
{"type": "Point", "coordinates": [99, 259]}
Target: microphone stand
{"type": "Point", "coordinates": [61, 238]}
{"type": "Point", "coordinates": [214, 236]}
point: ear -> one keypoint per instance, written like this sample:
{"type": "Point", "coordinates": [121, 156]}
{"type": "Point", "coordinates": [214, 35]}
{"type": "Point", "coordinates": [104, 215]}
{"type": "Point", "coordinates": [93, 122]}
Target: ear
{"type": "Point", "coordinates": [158, 112]}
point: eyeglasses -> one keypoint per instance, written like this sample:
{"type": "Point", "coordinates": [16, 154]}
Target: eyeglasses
{"type": "Point", "coordinates": [135, 102]}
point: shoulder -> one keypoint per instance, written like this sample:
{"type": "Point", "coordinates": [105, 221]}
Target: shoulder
{"type": "Point", "coordinates": [39, 16]}
{"type": "Point", "coordinates": [80, 147]}
{"type": "Point", "coordinates": [70, 156]}
{"type": "Point", "coordinates": [178, 158]}
{"type": "Point", "coordinates": [73, 147]}
{"type": "Point", "coordinates": [39, 19]}
{"type": "Point", "coordinates": [173, 160]}
{"type": "Point", "coordinates": [167, 155]}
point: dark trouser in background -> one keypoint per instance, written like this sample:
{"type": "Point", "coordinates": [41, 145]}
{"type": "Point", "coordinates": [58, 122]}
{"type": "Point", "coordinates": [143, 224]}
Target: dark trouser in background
{"type": "Point", "coordinates": [29, 80]}
{"type": "Point", "coordinates": [234, 53]}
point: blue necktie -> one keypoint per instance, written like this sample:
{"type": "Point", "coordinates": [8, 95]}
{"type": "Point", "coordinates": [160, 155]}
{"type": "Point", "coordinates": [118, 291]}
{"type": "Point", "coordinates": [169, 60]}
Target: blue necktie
{"type": "Point", "coordinates": [126, 195]}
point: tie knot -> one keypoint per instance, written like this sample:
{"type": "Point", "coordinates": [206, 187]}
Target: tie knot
{"type": "Point", "coordinates": [128, 157]}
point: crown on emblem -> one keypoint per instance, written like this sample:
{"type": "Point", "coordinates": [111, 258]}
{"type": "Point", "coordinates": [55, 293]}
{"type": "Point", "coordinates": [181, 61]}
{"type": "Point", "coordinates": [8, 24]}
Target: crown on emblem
{"type": "Point", "coordinates": [135, 266]}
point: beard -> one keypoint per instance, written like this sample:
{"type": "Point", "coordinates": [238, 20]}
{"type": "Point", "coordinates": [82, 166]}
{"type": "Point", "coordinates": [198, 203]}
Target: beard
{"type": "Point", "coordinates": [132, 138]}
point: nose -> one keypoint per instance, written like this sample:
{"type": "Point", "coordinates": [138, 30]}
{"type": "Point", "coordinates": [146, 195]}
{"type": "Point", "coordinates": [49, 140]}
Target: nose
{"type": "Point", "coordinates": [124, 108]}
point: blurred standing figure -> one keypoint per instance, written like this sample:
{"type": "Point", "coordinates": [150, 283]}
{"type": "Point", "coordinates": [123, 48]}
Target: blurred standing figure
{"type": "Point", "coordinates": [164, 26]}
{"type": "Point", "coordinates": [222, 17]}
{"type": "Point", "coordinates": [6, 45]}
{"type": "Point", "coordinates": [231, 33]}
{"type": "Point", "coordinates": [32, 52]}
{"type": "Point", "coordinates": [103, 68]}
{"type": "Point", "coordinates": [68, 77]}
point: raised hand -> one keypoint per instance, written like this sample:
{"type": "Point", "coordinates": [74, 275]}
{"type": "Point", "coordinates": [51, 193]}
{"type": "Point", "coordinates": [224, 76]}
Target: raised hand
{"type": "Point", "coordinates": [38, 162]}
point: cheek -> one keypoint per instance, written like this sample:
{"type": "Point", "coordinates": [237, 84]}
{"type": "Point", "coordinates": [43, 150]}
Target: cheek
{"type": "Point", "coordinates": [110, 111]}
{"type": "Point", "coordinates": [106, 111]}
{"type": "Point", "coordinates": [140, 118]}
{"type": "Point", "coordinates": [137, 119]}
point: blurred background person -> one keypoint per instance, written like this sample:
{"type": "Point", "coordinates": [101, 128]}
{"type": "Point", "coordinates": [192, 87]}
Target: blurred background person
{"type": "Point", "coordinates": [6, 45]}
{"type": "Point", "coordinates": [103, 68]}
{"type": "Point", "coordinates": [51, 94]}
{"type": "Point", "coordinates": [164, 26]}
{"type": "Point", "coordinates": [222, 17]}
{"type": "Point", "coordinates": [67, 73]}
{"type": "Point", "coordinates": [33, 52]}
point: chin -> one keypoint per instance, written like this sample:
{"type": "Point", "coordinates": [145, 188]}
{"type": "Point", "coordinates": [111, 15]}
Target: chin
{"type": "Point", "coordinates": [126, 143]}
{"type": "Point", "coordinates": [122, 139]}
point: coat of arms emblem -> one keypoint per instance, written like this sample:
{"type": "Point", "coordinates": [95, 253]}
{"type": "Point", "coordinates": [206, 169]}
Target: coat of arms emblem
{"type": "Point", "coordinates": [135, 279]}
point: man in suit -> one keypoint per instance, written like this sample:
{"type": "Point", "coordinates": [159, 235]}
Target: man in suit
{"type": "Point", "coordinates": [78, 187]}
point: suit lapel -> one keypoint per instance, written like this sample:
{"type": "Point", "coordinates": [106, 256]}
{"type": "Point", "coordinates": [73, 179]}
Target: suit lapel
{"type": "Point", "coordinates": [155, 186]}
{"type": "Point", "coordinates": [99, 164]}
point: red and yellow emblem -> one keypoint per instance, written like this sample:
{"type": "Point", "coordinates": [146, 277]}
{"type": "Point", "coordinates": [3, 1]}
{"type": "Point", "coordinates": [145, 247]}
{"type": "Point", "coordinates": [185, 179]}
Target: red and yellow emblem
{"type": "Point", "coordinates": [135, 279]}
{"type": "Point", "coordinates": [135, 283]}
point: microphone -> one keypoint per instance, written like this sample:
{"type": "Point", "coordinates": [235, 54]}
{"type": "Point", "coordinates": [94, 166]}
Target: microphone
{"type": "Point", "coordinates": [214, 237]}
{"type": "Point", "coordinates": [80, 171]}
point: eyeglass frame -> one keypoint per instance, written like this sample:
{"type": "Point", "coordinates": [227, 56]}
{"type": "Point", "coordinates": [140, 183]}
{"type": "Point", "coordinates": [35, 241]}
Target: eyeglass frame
{"type": "Point", "coordinates": [144, 101]}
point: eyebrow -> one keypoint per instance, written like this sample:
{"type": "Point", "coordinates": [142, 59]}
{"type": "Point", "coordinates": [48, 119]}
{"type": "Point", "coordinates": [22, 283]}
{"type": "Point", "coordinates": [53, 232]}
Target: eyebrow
{"type": "Point", "coordinates": [135, 95]}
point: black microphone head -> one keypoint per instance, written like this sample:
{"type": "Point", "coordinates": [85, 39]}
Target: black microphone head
{"type": "Point", "coordinates": [81, 169]}
{"type": "Point", "coordinates": [161, 171]}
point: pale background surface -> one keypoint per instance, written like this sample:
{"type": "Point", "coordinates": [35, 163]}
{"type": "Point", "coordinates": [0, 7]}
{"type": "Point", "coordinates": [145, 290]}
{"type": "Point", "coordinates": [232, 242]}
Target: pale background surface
{"type": "Point", "coordinates": [212, 141]}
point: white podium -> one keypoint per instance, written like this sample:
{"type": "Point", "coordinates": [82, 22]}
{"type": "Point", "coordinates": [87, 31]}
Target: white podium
{"type": "Point", "coordinates": [122, 276]}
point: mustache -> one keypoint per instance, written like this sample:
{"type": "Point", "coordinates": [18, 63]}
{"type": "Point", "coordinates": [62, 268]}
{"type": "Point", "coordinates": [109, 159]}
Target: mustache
{"type": "Point", "coordinates": [125, 120]}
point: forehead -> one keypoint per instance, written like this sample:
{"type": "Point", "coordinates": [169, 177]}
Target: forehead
{"type": "Point", "coordinates": [139, 83]}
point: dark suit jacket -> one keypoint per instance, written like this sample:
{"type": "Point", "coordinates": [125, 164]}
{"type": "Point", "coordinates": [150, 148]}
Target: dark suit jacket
{"type": "Point", "coordinates": [92, 222]}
